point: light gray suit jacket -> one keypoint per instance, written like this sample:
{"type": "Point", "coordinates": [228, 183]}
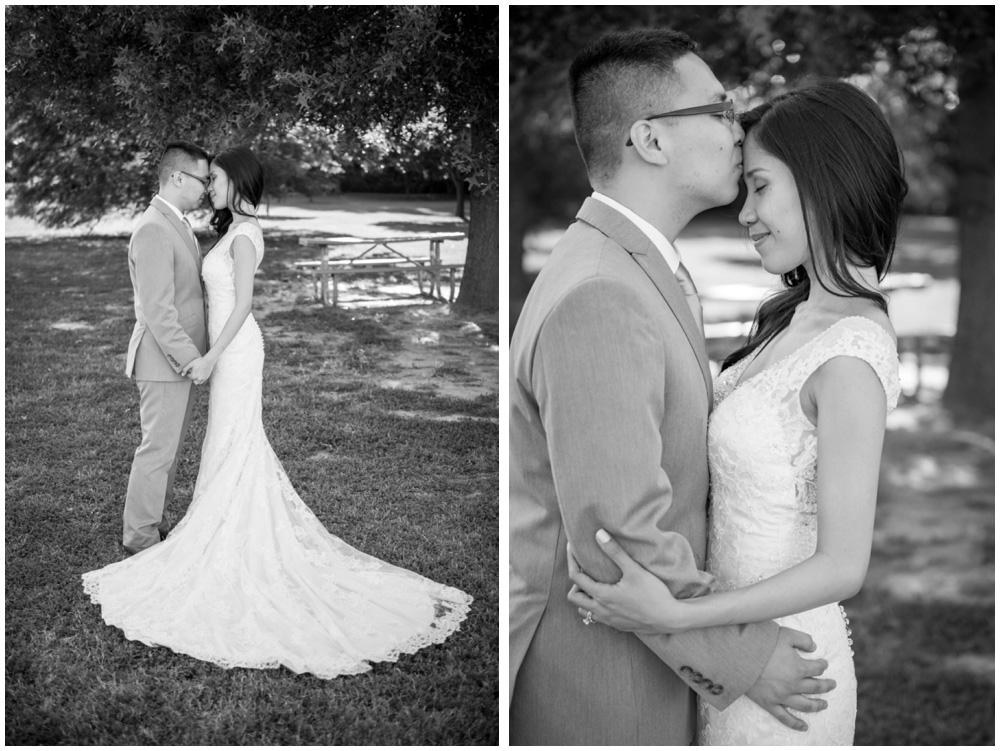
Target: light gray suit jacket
{"type": "Point", "coordinates": [165, 266]}
{"type": "Point", "coordinates": [610, 392]}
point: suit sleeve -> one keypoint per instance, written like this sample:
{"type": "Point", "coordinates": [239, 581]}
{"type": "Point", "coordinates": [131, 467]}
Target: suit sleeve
{"type": "Point", "coordinates": [598, 376]}
{"type": "Point", "coordinates": [154, 272]}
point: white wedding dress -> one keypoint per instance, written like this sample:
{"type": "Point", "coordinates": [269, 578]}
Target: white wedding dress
{"type": "Point", "coordinates": [250, 577]}
{"type": "Point", "coordinates": [762, 457]}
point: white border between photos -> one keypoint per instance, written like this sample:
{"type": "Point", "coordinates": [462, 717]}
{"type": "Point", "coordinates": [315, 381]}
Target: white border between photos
{"type": "Point", "coordinates": [504, 337]}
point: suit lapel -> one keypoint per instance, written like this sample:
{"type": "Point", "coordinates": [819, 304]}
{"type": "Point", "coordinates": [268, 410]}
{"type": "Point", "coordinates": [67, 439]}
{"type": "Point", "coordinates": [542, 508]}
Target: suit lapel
{"type": "Point", "coordinates": [642, 250]}
{"type": "Point", "coordinates": [182, 229]}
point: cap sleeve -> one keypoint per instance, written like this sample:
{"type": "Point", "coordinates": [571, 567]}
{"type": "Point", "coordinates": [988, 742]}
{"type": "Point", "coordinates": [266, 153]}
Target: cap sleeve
{"type": "Point", "coordinates": [255, 235]}
{"type": "Point", "coordinates": [864, 339]}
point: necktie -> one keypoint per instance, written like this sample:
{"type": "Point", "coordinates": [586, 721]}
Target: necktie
{"type": "Point", "coordinates": [691, 293]}
{"type": "Point", "coordinates": [190, 230]}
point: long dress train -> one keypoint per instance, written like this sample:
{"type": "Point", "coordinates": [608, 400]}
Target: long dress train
{"type": "Point", "coordinates": [250, 577]}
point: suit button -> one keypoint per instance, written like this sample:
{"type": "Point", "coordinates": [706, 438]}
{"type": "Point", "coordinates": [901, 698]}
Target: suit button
{"type": "Point", "coordinates": [696, 677]}
{"type": "Point", "coordinates": [716, 689]}
{"type": "Point", "coordinates": [686, 670]}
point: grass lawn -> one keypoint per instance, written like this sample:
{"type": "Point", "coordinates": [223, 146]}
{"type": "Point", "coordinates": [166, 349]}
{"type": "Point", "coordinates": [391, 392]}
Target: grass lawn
{"type": "Point", "coordinates": [396, 455]}
{"type": "Point", "coordinates": [924, 623]}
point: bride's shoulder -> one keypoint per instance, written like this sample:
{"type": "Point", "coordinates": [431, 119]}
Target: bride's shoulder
{"type": "Point", "coordinates": [251, 229]}
{"type": "Point", "coordinates": [250, 226]}
{"type": "Point", "coordinates": [868, 340]}
{"type": "Point", "coordinates": [870, 326]}
{"type": "Point", "coordinates": [875, 319]}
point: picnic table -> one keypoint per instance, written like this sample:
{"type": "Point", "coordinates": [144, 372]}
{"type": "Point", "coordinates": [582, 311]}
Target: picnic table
{"type": "Point", "coordinates": [328, 269]}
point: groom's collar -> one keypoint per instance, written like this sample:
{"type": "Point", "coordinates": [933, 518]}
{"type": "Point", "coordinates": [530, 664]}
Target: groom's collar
{"type": "Point", "coordinates": [661, 243]}
{"type": "Point", "coordinates": [169, 205]}
{"type": "Point", "coordinates": [627, 234]}
{"type": "Point", "coordinates": [176, 219]}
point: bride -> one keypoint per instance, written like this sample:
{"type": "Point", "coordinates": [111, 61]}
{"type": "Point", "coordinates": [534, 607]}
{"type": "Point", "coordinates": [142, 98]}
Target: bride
{"type": "Point", "coordinates": [250, 577]}
{"type": "Point", "coordinates": [796, 434]}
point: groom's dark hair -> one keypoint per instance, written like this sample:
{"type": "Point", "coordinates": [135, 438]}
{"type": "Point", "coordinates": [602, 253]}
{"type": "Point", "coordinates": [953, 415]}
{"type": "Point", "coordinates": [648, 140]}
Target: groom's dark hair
{"type": "Point", "coordinates": [179, 155]}
{"type": "Point", "coordinates": [615, 81]}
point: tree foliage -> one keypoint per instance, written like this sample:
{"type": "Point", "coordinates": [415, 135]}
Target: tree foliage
{"type": "Point", "coordinates": [92, 92]}
{"type": "Point", "coordinates": [930, 67]}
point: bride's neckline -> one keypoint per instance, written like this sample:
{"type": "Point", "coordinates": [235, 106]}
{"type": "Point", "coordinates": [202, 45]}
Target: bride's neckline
{"type": "Point", "coordinates": [741, 380]}
{"type": "Point", "coordinates": [235, 225]}
{"type": "Point", "coordinates": [232, 228]}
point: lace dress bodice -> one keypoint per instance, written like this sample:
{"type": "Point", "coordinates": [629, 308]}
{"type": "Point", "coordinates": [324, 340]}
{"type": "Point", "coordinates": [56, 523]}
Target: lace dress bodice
{"type": "Point", "coordinates": [217, 271]}
{"type": "Point", "coordinates": [762, 452]}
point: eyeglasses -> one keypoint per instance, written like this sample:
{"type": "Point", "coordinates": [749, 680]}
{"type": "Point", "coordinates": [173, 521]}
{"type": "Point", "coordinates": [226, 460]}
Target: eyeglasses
{"type": "Point", "coordinates": [205, 181]}
{"type": "Point", "coordinates": [726, 108]}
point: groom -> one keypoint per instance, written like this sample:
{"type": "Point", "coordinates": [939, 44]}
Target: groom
{"type": "Point", "coordinates": [164, 261]}
{"type": "Point", "coordinates": [610, 396]}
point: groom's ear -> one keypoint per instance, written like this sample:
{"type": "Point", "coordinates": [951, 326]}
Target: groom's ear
{"type": "Point", "coordinates": [648, 144]}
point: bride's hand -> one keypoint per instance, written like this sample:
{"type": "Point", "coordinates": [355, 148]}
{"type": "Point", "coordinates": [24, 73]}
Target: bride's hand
{"type": "Point", "coordinates": [638, 602]}
{"type": "Point", "coordinates": [199, 369]}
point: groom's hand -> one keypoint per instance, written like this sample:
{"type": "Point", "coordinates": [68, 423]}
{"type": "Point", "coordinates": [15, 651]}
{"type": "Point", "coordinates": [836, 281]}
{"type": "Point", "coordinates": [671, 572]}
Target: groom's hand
{"type": "Point", "coordinates": [199, 370]}
{"type": "Point", "coordinates": [787, 678]}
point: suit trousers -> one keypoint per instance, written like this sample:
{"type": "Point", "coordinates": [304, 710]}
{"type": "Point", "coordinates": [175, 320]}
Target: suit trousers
{"type": "Point", "coordinates": [164, 412]}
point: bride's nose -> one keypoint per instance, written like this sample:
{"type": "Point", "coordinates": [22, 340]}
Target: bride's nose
{"type": "Point", "coordinates": [747, 215]}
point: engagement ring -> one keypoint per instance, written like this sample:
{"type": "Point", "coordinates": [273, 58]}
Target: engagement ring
{"type": "Point", "coordinates": [589, 618]}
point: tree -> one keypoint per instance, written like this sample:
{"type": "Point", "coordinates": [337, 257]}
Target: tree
{"type": "Point", "coordinates": [920, 51]}
{"type": "Point", "coordinates": [92, 91]}
{"type": "Point", "coordinates": [966, 35]}
{"type": "Point", "coordinates": [929, 45]}
{"type": "Point", "coordinates": [450, 58]}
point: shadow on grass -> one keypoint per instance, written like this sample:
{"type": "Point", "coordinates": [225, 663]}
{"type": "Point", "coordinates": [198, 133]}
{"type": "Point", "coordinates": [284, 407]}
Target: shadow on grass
{"type": "Point", "coordinates": [914, 687]}
{"type": "Point", "coordinates": [418, 492]}
{"type": "Point", "coordinates": [924, 623]}
{"type": "Point", "coordinates": [363, 330]}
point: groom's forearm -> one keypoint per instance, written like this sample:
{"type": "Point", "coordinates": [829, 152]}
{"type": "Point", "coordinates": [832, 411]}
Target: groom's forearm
{"type": "Point", "coordinates": [720, 664]}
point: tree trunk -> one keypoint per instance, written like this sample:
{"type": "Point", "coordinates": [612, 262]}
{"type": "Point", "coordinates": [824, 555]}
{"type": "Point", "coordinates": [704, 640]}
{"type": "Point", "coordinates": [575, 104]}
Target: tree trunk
{"type": "Point", "coordinates": [481, 276]}
{"type": "Point", "coordinates": [970, 391]}
{"type": "Point", "coordinates": [459, 195]}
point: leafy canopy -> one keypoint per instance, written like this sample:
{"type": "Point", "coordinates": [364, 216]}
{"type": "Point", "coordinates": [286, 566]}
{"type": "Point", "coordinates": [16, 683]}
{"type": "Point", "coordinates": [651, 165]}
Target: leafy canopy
{"type": "Point", "coordinates": [92, 92]}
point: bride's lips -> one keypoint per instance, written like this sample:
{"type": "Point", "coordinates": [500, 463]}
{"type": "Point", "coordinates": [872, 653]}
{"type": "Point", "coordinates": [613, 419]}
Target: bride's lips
{"type": "Point", "coordinates": [759, 238]}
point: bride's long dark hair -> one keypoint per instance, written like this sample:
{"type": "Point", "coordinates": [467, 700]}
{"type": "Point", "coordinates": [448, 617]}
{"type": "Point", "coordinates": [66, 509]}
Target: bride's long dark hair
{"type": "Point", "coordinates": [246, 184]}
{"type": "Point", "coordinates": [849, 173]}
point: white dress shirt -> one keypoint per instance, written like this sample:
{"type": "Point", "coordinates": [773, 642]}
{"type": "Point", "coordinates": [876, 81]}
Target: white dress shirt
{"type": "Point", "coordinates": [184, 221]}
{"type": "Point", "coordinates": [173, 208]}
{"type": "Point", "coordinates": [666, 248]}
